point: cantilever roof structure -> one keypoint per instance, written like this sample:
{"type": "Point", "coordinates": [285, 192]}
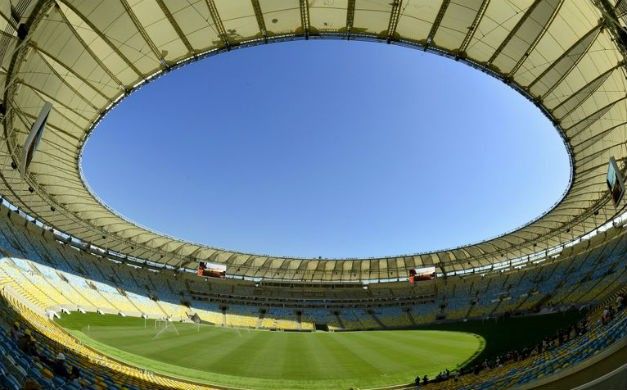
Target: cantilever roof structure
{"type": "Point", "coordinates": [566, 56]}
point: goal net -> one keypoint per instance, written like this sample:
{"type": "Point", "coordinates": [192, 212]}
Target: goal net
{"type": "Point", "coordinates": [164, 327]}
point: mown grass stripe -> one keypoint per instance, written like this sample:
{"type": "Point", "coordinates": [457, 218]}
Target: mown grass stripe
{"type": "Point", "coordinates": [272, 360]}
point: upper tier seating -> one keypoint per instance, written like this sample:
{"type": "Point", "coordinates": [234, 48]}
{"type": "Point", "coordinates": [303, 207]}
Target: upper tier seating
{"type": "Point", "coordinates": [55, 276]}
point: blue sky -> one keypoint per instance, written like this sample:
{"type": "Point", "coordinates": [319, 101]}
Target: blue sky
{"type": "Point", "coordinates": [327, 148]}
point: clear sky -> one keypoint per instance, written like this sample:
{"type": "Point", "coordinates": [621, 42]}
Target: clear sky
{"type": "Point", "coordinates": [327, 148]}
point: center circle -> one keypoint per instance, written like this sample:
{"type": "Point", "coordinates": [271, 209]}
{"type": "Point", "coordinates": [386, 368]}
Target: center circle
{"type": "Point", "coordinates": [327, 148]}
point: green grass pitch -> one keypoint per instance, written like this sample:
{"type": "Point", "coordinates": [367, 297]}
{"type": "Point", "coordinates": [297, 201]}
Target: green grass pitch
{"type": "Point", "coordinates": [276, 360]}
{"type": "Point", "coordinates": [257, 359]}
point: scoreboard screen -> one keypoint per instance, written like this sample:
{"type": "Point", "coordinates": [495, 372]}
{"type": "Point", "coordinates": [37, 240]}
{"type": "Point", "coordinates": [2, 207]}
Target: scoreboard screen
{"type": "Point", "coordinates": [211, 270]}
{"type": "Point", "coordinates": [615, 182]}
{"type": "Point", "coordinates": [418, 274]}
{"type": "Point", "coordinates": [34, 136]}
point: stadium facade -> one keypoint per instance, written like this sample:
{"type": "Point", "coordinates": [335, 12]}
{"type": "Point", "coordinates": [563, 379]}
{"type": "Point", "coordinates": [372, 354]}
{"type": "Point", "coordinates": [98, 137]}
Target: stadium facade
{"type": "Point", "coordinates": [84, 57]}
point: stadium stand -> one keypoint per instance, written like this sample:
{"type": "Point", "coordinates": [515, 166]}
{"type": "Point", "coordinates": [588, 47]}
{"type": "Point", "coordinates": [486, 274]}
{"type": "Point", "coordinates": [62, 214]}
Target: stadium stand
{"type": "Point", "coordinates": [95, 371]}
{"type": "Point", "coordinates": [591, 335]}
{"type": "Point", "coordinates": [42, 277]}
{"type": "Point", "coordinates": [84, 282]}
{"type": "Point", "coordinates": [18, 363]}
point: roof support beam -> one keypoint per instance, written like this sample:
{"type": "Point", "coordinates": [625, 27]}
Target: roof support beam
{"type": "Point", "coordinates": [437, 21]}
{"type": "Point", "coordinates": [56, 101]}
{"type": "Point", "coordinates": [350, 18]}
{"type": "Point", "coordinates": [598, 137]}
{"type": "Point", "coordinates": [586, 159]}
{"type": "Point", "coordinates": [569, 105]}
{"type": "Point", "coordinates": [174, 250]}
{"type": "Point", "coordinates": [4, 34]}
{"type": "Point", "coordinates": [61, 176]}
{"type": "Point", "coordinates": [513, 32]}
{"type": "Point", "coordinates": [217, 21]}
{"type": "Point", "coordinates": [102, 36]}
{"type": "Point", "coordinates": [304, 17]}
{"type": "Point", "coordinates": [155, 50]}
{"type": "Point", "coordinates": [9, 20]}
{"type": "Point", "coordinates": [70, 87]}
{"type": "Point", "coordinates": [123, 223]}
{"type": "Point", "coordinates": [523, 23]}
{"type": "Point", "coordinates": [183, 263]}
{"type": "Point", "coordinates": [211, 257]}
{"type": "Point", "coordinates": [104, 217]}
{"type": "Point", "coordinates": [61, 114]}
{"type": "Point", "coordinates": [568, 60]}
{"type": "Point", "coordinates": [473, 28]}
{"type": "Point", "coordinates": [160, 247]}
{"type": "Point", "coordinates": [57, 129]}
{"type": "Point", "coordinates": [133, 237]}
{"type": "Point", "coordinates": [231, 259]}
{"type": "Point", "coordinates": [47, 57]}
{"type": "Point", "coordinates": [87, 48]}
{"type": "Point", "coordinates": [535, 41]}
{"type": "Point", "coordinates": [583, 172]}
{"type": "Point", "coordinates": [588, 121]}
{"type": "Point", "coordinates": [150, 240]}
{"type": "Point", "coordinates": [583, 190]}
{"type": "Point", "coordinates": [175, 26]}
{"type": "Point", "coordinates": [394, 16]}
{"type": "Point", "coordinates": [260, 21]}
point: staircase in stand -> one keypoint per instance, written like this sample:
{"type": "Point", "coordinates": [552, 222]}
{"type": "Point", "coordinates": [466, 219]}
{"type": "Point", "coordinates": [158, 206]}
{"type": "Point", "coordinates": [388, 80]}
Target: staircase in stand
{"type": "Point", "coordinates": [411, 317]}
{"type": "Point", "coordinates": [377, 319]}
{"type": "Point", "coordinates": [262, 314]}
{"type": "Point", "coordinates": [339, 320]}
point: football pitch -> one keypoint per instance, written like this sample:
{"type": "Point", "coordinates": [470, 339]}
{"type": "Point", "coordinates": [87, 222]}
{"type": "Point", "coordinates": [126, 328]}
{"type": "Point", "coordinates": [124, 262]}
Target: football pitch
{"type": "Point", "coordinates": [247, 358]}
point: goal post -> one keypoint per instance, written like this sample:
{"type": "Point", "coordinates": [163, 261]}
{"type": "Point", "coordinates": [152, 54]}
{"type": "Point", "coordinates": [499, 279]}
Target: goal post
{"type": "Point", "coordinates": [161, 323]}
{"type": "Point", "coordinates": [164, 326]}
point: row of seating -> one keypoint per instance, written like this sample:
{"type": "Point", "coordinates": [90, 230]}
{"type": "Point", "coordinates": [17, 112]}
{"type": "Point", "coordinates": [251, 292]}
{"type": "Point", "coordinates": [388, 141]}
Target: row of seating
{"type": "Point", "coordinates": [97, 371]}
{"type": "Point", "coordinates": [516, 374]}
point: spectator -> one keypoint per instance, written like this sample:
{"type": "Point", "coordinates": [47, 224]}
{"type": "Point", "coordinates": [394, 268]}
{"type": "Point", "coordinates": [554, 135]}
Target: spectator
{"type": "Point", "coordinates": [31, 384]}
{"type": "Point", "coordinates": [26, 343]}
{"type": "Point", "coordinates": [74, 375]}
{"type": "Point", "coordinates": [59, 368]}
{"type": "Point", "coordinates": [606, 316]}
{"type": "Point", "coordinates": [15, 331]}
{"type": "Point", "coordinates": [547, 344]}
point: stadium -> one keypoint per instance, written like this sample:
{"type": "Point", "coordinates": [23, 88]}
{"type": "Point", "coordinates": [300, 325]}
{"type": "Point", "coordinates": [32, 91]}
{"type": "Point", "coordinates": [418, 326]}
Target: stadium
{"type": "Point", "coordinates": [92, 300]}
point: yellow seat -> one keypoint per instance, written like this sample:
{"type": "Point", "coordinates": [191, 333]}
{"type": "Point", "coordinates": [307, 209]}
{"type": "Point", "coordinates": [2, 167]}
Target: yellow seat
{"type": "Point", "coordinates": [47, 373]}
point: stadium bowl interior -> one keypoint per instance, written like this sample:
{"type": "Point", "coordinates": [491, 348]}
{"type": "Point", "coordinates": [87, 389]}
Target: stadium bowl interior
{"type": "Point", "coordinates": [65, 251]}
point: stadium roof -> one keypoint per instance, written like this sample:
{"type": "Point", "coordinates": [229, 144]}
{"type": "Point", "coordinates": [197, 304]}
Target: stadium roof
{"type": "Point", "coordinates": [567, 57]}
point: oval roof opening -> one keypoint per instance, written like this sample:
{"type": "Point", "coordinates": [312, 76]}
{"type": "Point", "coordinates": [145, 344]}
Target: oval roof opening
{"type": "Point", "coordinates": [331, 149]}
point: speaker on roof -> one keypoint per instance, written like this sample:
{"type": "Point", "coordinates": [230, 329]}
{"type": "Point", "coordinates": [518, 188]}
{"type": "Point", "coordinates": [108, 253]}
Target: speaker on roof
{"type": "Point", "coordinates": [34, 136]}
{"type": "Point", "coordinates": [622, 37]}
{"type": "Point", "coordinates": [22, 31]}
